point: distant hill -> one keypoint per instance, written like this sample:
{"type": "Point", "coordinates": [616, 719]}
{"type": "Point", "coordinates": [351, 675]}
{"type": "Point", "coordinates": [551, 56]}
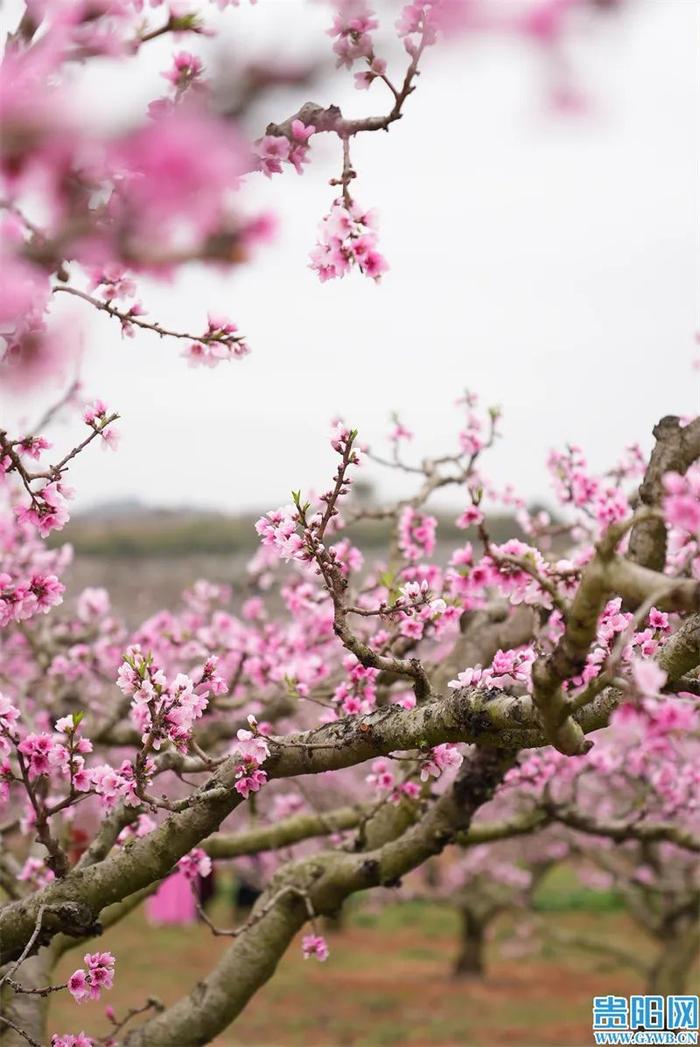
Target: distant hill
{"type": "Point", "coordinates": [132, 529]}
{"type": "Point", "coordinates": [119, 508]}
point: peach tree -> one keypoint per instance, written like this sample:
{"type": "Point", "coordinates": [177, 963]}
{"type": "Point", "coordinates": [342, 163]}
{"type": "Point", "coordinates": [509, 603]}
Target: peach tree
{"type": "Point", "coordinates": [420, 684]}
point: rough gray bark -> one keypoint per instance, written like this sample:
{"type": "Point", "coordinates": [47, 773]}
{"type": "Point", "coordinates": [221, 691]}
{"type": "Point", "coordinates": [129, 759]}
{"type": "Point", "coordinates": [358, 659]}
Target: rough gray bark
{"type": "Point", "coordinates": [676, 448]}
{"type": "Point", "coordinates": [681, 654]}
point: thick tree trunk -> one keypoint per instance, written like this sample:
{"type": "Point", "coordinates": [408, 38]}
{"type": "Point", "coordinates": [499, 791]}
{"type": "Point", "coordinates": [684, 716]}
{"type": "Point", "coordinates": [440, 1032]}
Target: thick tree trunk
{"type": "Point", "coordinates": [669, 975]}
{"type": "Point", "coordinates": [470, 959]}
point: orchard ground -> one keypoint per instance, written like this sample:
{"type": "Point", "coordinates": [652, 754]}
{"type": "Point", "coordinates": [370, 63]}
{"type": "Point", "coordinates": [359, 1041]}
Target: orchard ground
{"type": "Point", "coordinates": [384, 982]}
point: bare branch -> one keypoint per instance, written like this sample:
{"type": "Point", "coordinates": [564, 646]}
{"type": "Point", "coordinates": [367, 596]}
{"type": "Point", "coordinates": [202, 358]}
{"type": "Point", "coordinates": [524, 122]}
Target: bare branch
{"type": "Point", "coordinates": [285, 833]}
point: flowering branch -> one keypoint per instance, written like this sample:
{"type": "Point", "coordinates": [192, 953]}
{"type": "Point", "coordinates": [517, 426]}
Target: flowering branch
{"type": "Point", "coordinates": [220, 335]}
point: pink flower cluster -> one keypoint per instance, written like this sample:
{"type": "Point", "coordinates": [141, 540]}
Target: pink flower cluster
{"type": "Point", "coordinates": [507, 669]}
{"type": "Point", "coordinates": [681, 504]}
{"type": "Point", "coordinates": [112, 784]}
{"type": "Point", "coordinates": [416, 534]}
{"type": "Point", "coordinates": [220, 341]}
{"type": "Point", "coordinates": [293, 534]}
{"type": "Point", "coordinates": [314, 945]}
{"type": "Point", "coordinates": [646, 760]}
{"type": "Point", "coordinates": [612, 623]}
{"type": "Point", "coordinates": [376, 68]}
{"type": "Point", "coordinates": [518, 584]}
{"type": "Point", "coordinates": [514, 667]}
{"type": "Point", "coordinates": [250, 751]}
{"type": "Point", "coordinates": [48, 510]}
{"type": "Point", "coordinates": [87, 984]}
{"type": "Point", "coordinates": [177, 174]}
{"type": "Point", "coordinates": [161, 710]}
{"type": "Point", "coordinates": [33, 446]}
{"type": "Point", "coordinates": [275, 150]}
{"type": "Point", "coordinates": [416, 608]}
{"type": "Point", "coordinates": [143, 825]}
{"type": "Point", "coordinates": [382, 780]}
{"type": "Point", "coordinates": [185, 71]}
{"type": "Point", "coordinates": [278, 531]}
{"type": "Point", "coordinates": [97, 416]}
{"type": "Point", "coordinates": [575, 485]}
{"type": "Point", "coordinates": [44, 508]}
{"type": "Point", "coordinates": [195, 863]}
{"type": "Point", "coordinates": [9, 715]}
{"type": "Point", "coordinates": [146, 199]}
{"type": "Point", "coordinates": [648, 677]}
{"type": "Point", "coordinates": [112, 280]}
{"type": "Point", "coordinates": [347, 556]}
{"type": "Point", "coordinates": [420, 21]}
{"type": "Point", "coordinates": [36, 873]}
{"type": "Point", "coordinates": [44, 754]}
{"type": "Point", "coordinates": [471, 517]}
{"type": "Point", "coordinates": [357, 694]}
{"type": "Point", "coordinates": [399, 431]}
{"type": "Point", "coordinates": [440, 759]}
{"type": "Point", "coordinates": [69, 1039]}
{"type": "Point", "coordinates": [347, 238]}
{"type": "Point", "coordinates": [24, 297]}
{"type": "Point", "coordinates": [20, 600]}
{"type": "Point", "coordinates": [352, 25]}
{"type": "Point", "coordinates": [471, 441]}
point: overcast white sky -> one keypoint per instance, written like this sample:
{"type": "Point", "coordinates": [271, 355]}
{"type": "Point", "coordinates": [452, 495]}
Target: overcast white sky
{"type": "Point", "coordinates": [549, 264]}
